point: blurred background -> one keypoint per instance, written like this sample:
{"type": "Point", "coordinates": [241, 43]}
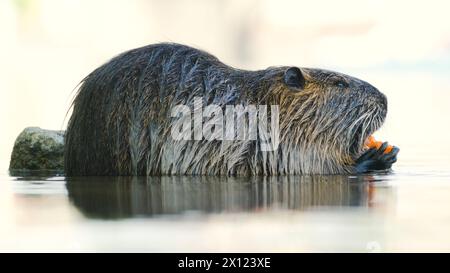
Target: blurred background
{"type": "Point", "coordinates": [401, 47]}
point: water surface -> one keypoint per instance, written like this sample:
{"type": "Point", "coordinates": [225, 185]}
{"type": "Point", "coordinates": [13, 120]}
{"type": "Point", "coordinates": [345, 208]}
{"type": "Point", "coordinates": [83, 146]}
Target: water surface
{"type": "Point", "coordinates": [398, 211]}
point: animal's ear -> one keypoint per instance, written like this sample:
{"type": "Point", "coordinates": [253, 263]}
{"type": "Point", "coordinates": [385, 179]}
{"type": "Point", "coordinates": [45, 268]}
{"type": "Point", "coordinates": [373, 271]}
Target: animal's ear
{"type": "Point", "coordinates": [293, 77]}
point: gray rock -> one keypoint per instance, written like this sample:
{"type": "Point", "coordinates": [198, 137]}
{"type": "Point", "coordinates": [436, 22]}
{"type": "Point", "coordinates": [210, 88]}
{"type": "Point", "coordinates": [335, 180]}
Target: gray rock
{"type": "Point", "coordinates": [37, 149]}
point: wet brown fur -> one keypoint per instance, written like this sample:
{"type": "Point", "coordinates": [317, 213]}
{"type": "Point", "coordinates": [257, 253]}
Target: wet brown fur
{"type": "Point", "coordinates": [121, 120]}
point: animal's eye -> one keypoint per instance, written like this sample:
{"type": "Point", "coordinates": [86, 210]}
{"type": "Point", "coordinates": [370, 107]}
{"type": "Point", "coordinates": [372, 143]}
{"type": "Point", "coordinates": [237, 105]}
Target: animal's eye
{"type": "Point", "coordinates": [341, 84]}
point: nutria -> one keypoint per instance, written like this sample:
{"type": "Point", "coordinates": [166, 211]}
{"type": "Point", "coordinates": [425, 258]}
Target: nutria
{"type": "Point", "coordinates": [121, 121]}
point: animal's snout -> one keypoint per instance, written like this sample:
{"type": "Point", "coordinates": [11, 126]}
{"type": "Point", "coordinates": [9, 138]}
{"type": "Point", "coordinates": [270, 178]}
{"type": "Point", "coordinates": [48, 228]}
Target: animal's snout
{"type": "Point", "coordinates": [374, 93]}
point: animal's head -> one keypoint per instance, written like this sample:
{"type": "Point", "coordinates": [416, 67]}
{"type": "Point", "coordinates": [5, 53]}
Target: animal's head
{"type": "Point", "coordinates": [327, 112]}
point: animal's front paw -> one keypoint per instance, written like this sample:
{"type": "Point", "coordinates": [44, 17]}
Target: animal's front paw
{"type": "Point", "coordinates": [375, 159]}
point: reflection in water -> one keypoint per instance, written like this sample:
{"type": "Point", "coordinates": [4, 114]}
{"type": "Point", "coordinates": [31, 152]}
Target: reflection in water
{"type": "Point", "coordinates": [121, 197]}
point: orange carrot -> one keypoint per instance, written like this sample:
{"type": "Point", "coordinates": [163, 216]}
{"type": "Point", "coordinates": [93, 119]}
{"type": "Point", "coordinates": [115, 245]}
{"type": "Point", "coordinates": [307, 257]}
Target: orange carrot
{"type": "Point", "coordinates": [372, 143]}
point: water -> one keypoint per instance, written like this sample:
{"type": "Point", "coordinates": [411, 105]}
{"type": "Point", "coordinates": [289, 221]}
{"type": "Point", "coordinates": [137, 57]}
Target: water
{"type": "Point", "coordinates": [399, 211]}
